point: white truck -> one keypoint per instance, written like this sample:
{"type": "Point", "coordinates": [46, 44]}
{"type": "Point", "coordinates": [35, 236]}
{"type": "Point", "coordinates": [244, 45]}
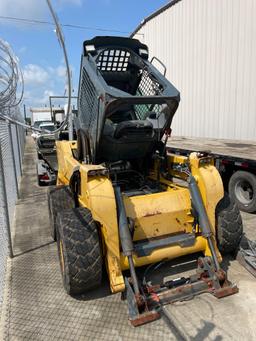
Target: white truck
{"type": "Point", "coordinates": [40, 115]}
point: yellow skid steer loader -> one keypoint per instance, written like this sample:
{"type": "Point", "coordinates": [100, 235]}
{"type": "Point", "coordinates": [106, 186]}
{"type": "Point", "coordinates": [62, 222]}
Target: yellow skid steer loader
{"type": "Point", "coordinates": [122, 201]}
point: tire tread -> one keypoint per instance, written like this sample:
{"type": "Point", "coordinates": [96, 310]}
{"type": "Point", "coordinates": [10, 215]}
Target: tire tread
{"type": "Point", "coordinates": [59, 199]}
{"type": "Point", "coordinates": [81, 248]}
{"type": "Point", "coordinates": [229, 225]}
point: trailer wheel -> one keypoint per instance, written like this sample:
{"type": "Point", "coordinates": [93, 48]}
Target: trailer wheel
{"type": "Point", "coordinates": [79, 251]}
{"type": "Point", "coordinates": [59, 199]}
{"type": "Point", "coordinates": [229, 226]}
{"type": "Point", "coordinates": [242, 187]}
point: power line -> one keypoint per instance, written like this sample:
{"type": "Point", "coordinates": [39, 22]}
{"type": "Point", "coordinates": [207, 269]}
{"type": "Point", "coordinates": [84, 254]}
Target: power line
{"type": "Point", "coordinates": [43, 22]}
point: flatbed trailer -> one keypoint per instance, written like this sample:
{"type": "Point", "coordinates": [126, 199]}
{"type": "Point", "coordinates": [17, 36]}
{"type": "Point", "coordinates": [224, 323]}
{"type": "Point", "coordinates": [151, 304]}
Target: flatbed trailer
{"type": "Point", "coordinates": [235, 160]}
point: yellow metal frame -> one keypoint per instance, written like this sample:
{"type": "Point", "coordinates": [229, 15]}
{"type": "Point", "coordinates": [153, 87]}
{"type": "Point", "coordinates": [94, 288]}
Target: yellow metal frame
{"type": "Point", "coordinates": [154, 215]}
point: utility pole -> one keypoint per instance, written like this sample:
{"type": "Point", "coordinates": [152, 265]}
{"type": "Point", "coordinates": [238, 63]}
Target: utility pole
{"type": "Point", "coordinates": [25, 116]}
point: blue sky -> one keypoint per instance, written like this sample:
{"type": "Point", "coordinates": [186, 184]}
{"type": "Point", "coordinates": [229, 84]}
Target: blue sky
{"type": "Point", "coordinates": [37, 47]}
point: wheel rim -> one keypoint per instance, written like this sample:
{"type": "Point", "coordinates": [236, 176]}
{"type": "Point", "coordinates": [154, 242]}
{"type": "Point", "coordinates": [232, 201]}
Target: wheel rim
{"type": "Point", "coordinates": [61, 257]}
{"type": "Point", "coordinates": [244, 192]}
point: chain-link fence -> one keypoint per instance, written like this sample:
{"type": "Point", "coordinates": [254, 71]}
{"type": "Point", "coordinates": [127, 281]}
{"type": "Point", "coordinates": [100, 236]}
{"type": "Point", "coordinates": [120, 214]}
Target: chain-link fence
{"type": "Point", "coordinates": [12, 143]}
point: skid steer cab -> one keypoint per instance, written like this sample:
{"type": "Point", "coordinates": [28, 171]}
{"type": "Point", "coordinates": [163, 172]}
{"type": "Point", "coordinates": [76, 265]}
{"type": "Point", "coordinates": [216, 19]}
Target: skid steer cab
{"type": "Point", "coordinates": [121, 201]}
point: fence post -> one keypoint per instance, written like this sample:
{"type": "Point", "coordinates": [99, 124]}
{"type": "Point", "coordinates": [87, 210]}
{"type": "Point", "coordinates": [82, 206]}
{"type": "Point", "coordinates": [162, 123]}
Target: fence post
{"type": "Point", "coordinates": [19, 151]}
{"type": "Point", "coordinates": [13, 160]}
{"type": "Point", "coordinates": [5, 205]}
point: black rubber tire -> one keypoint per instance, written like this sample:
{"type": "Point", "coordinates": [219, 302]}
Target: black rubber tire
{"type": "Point", "coordinates": [39, 181]}
{"type": "Point", "coordinates": [39, 156]}
{"type": "Point", "coordinates": [229, 225]}
{"type": "Point", "coordinates": [59, 199]}
{"type": "Point", "coordinates": [79, 251]}
{"type": "Point", "coordinates": [235, 183]}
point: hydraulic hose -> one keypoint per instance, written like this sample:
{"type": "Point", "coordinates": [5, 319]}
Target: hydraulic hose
{"type": "Point", "coordinates": [125, 237]}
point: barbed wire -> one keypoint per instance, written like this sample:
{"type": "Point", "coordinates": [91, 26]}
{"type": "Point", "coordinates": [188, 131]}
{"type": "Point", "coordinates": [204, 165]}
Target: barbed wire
{"type": "Point", "coordinates": [11, 75]}
{"type": "Point", "coordinates": [11, 78]}
{"type": "Point", "coordinates": [11, 85]}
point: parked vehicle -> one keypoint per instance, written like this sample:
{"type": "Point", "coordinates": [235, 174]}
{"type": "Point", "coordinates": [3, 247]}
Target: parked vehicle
{"type": "Point", "coordinates": [235, 160]}
{"type": "Point", "coordinates": [46, 152]}
{"type": "Point", "coordinates": [46, 175]}
{"type": "Point", "coordinates": [44, 125]}
{"type": "Point", "coordinates": [40, 115]}
{"type": "Point", "coordinates": [37, 123]}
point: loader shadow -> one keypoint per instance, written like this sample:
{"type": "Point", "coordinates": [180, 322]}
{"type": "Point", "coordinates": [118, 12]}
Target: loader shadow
{"type": "Point", "coordinates": [244, 241]}
{"type": "Point", "coordinates": [100, 292]}
{"type": "Point", "coordinates": [229, 258]}
{"type": "Point", "coordinates": [203, 333]}
{"type": "Point", "coordinates": [158, 273]}
{"type": "Point", "coordinates": [183, 266]}
{"type": "Point", "coordinates": [181, 335]}
{"type": "Point", "coordinates": [226, 262]}
{"type": "Point", "coordinates": [32, 249]}
{"type": "Point", "coordinates": [172, 326]}
{"type": "Point", "coordinates": [155, 274]}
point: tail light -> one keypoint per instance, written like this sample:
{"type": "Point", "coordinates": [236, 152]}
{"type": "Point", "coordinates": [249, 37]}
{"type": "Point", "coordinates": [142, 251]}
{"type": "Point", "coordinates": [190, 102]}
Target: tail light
{"type": "Point", "coordinates": [44, 177]}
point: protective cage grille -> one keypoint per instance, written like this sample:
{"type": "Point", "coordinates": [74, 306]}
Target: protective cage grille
{"type": "Point", "coordinates": [113, 60]}
{"type": "Point", "coordinates": [88, 100]}
{"type": "Point", "coordinates": [148, 85]}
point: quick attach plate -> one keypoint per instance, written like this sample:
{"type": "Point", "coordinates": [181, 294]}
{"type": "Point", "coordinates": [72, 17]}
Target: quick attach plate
{"type": "Point", "coordinates": [147, 307]}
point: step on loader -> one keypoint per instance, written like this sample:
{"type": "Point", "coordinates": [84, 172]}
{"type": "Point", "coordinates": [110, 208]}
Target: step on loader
{"type": "Point", "coordinates": [122, 201]}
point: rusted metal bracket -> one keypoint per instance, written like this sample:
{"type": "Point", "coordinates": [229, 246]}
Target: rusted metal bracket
{"type": "Point", "coordinates": [146, 308]}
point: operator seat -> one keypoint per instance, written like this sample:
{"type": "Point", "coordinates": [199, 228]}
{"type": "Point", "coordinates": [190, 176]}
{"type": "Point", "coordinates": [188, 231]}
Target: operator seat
{"type": "Point", "coordinates": [126, 140]}
{"type": "Point", "coordinates": [135, 128]}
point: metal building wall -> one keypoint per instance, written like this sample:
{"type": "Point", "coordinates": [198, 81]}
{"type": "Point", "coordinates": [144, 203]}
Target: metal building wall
{"type": "Point", "coordinates": [209, 48]}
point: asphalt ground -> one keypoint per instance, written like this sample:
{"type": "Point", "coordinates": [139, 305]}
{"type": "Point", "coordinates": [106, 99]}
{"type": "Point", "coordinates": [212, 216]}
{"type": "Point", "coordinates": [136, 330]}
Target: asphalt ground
{"type": "Point", "coordinates": [37, 308]}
